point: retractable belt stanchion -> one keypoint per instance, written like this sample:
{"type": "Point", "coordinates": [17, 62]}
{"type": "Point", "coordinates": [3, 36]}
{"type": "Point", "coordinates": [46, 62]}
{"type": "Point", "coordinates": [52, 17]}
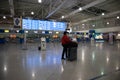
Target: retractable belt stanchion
{"type": "Point", "coordinates": [24, 43]}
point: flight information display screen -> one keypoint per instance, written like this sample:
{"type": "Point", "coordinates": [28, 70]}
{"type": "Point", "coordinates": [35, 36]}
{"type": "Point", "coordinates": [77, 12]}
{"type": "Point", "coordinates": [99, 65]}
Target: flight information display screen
{"type": "Point", "coordinates": [43, 25]}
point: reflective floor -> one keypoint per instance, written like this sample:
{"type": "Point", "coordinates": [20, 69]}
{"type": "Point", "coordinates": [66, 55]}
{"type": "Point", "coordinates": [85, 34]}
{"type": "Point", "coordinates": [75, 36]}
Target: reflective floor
{"type": "Point", "coordinates": [96, 61]}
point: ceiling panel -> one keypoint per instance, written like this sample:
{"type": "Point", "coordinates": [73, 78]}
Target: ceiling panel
{"type": "Point", "coordinates": [58, 8]}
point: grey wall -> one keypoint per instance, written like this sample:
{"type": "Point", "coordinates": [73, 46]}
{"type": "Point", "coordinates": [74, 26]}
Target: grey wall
{"type": "Point", "coordinates": [6, 26]}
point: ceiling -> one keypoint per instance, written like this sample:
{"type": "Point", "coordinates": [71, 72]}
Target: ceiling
{"type": "Point", "coordinates": [54, 9]}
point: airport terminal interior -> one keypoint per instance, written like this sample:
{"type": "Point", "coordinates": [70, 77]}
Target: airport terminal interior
{"type": "Point", "coordinates": [31, 33]}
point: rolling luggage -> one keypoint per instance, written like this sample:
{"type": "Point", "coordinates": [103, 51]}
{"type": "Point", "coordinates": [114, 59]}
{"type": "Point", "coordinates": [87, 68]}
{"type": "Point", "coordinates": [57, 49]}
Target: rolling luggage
{"type": "Point", "coordinates": [39, 48]}
{"type": "Point", "coordinates": [72, 53]}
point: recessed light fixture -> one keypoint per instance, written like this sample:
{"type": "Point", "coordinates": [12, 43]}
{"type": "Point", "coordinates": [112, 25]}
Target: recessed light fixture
{"type": "Point", "coordinates": [108, 23]}
{"type": "Point", "coordinates": [103, 14]}
{"type": "Point", "coordinates": [17, 31]}
{"type": "Point", "coordinates": [83, 24]}
{"type": "Point", "coordinates": [4, 17]}
{"type": "Point", "coordinates": [117, 68]}
{"type": "Point", "coordinates": [63, 17]}
{"type": "Point", "coordinates": [26, 31]}
{"type": "Point", "coordinates": [33, 74]}
{"type": "Point", "coordinates": [102, 73]}
{"type": "Point", "coordinates": [118, 17]}
{"type": "Point", "coordinates": [39, 1]}
{"type": "Point", "coordinates": [57, 32]}
{"type": "Point", "coordinates": [5, 68]}
{"type": "Point", "coordinates": [80, 9]}
{"type": "Point", "coordinates": [32, 13]}
{"type": "Point", "coordinates": [93, 25]}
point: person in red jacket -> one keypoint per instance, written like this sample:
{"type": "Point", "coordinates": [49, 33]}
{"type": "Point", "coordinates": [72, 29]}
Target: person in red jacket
{"type": "Point", "coordinates": [65, 43]}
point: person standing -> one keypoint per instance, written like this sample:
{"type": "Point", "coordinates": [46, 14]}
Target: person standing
{"type": "Point", "coordinates": [65, 43]}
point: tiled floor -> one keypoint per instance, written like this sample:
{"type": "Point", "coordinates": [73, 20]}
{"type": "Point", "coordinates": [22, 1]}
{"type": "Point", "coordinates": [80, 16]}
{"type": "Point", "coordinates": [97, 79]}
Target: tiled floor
{"type": "Point", "coordinates": [96, 61]}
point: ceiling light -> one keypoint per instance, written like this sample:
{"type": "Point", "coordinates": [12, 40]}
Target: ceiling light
{"type": "Point", "coordinates": [17, 31]}
{"type": "Point", "coordinates": [39, 1]}
{"type": "Point", "coordinates": [33, 74]}
{"type": "Point", "coordinates": [102, 73]}
{"type": "Point", "coordinates": [103, 14]}
{"type": "Point", "coordinates": [83, 24]}
{"type": "Point", "coordinates": [117, 68]}
{"type": "Point", "coordinates": [80, 9]}
{"type": "Point", "coordinates": [118, 17]}
{"type": "Point", "coordinates": [108, 23]}
{"type": "Point", "coordinates": [5, 68]}
{"type": "Point", "coordinates": [4, 17]}
{"type": "Point", "coordinates": [32, 13]}
{"type": "Point", "coordinates": [57, 32]}
{"type": "Point", "coordinates": [63, 17]}
{"type": "Point", "coordinates": [26, 31]}
{"type": "Point", "coordinates": [93, 25]}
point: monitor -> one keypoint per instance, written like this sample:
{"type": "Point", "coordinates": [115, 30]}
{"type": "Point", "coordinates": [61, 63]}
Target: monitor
{"type": "Point", "coordinates": [43, 25]}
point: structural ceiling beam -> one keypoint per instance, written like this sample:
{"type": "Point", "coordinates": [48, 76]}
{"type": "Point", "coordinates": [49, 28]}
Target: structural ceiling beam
{"type": "Point", "coordinates": [57, 9]}
{"type": "Point", "coordinates": [85, 7]}
{"type": "Point", "coordinates": [98, 17]}
{"type": "Point", "coordinates": [11, 7]}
